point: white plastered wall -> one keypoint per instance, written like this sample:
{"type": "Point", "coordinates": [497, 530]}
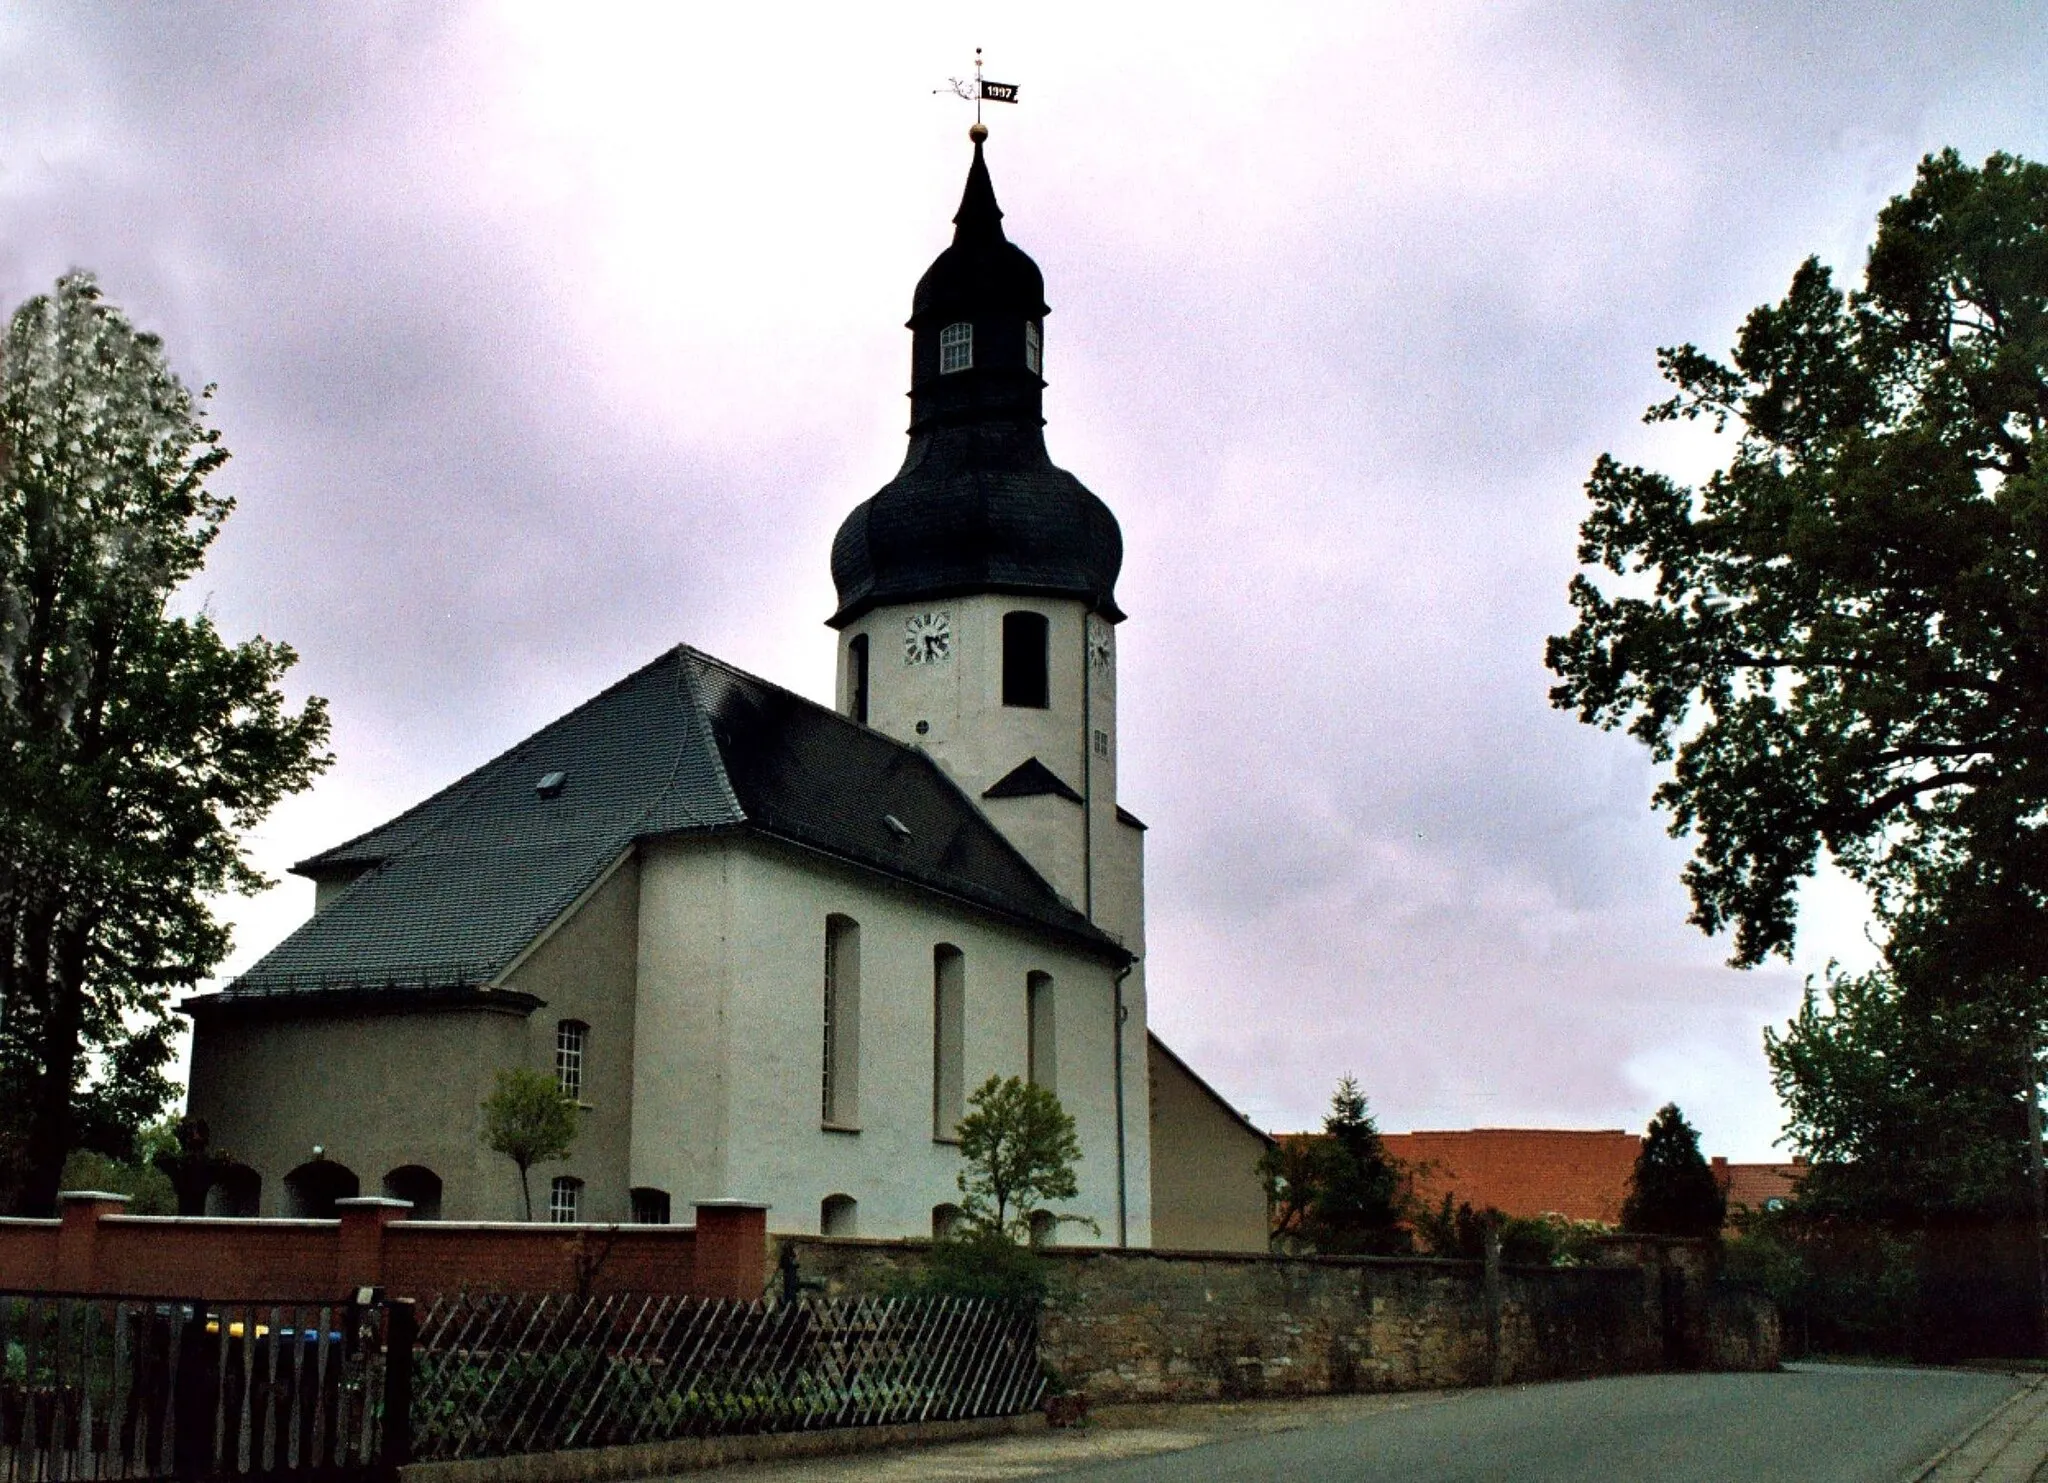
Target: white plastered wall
{"type": "Point", "coordinates": [730, 1045]}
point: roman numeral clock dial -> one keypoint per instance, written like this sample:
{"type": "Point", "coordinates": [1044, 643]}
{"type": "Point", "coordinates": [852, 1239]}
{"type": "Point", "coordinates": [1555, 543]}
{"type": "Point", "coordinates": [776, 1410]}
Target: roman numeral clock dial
{"type": "Point", "coordinates": [927, 638]}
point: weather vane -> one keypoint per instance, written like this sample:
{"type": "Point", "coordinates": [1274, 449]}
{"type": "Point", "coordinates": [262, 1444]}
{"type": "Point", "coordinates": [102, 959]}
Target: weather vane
{"type": "Point", "coordinates": [978, 89]}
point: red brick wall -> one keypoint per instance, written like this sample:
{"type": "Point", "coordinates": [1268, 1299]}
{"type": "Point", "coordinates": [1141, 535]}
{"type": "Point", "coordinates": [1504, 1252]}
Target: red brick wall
{"type": "Point", "coordinates": [97, 1249]}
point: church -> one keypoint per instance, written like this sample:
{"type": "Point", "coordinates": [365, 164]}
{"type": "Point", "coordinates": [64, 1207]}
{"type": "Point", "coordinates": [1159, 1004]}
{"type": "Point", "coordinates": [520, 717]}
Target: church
{"type": "Point", "coordinates": [770, 947]}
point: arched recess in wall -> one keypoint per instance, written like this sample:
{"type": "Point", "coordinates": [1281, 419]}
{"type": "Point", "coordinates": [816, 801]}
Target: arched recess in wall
{"type": "Point", "coordinates": [839, 1104]}
{"type": "Point", "coordinates": [949, 1040]}
{"type": "Point", "coordinates": [420, 1185]}
{"type": "Point", "coordinates": [1045, 1228]}
{"type": "Point", "coordinates": [1041, 1042]}
{"type": "Point", "coordinates": [946, 1220]}
{"type": "Point", "coordinates": [312, 1191]}
{"type": "Point", "coordinates": [237, 1192]}
{"type": "Point", "coordinates": [839, 1215]}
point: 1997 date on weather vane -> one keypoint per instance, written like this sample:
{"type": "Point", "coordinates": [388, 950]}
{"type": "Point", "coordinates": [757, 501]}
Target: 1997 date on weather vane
{"type": "Point", "coordinates": [978, 89]}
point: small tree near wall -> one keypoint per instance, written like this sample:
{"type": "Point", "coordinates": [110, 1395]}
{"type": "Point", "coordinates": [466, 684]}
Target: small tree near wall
{"type": "Point", "coordinates": [1020, 1148]}
{"type": "Point", "coordinates": [528, 1119]}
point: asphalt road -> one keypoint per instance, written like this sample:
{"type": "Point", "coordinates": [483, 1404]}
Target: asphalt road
{"type": "Point", "coordinates": [1809, 1424]}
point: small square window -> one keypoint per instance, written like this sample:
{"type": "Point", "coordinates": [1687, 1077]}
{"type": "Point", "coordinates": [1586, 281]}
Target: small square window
{"type": "Point", "coordinates": [956, 348]}
{"type": "Point", "coordinates": [565, 1200]}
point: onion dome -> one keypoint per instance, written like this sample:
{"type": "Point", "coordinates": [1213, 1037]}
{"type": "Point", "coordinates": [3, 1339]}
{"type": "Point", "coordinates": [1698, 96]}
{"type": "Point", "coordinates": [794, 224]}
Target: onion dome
{"type": "Point", "coordinates": [978, 505]}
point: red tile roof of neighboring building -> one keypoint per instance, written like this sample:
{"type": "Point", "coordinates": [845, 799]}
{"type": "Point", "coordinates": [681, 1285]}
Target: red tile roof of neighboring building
{"type": "Point", "coordinates": [1582, 1175]}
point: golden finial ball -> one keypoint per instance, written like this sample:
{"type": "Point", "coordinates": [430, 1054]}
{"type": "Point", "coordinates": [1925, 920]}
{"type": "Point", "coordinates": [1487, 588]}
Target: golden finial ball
{"type": "Point", "coordinates": [978, 133]}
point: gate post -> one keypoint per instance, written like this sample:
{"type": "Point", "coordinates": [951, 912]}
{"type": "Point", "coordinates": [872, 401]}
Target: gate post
{"type": "Point", "coordinates": [79, 1234]}
{"type": "Point", "coordinates": [731, 1259]}
{"type": "Point", "coordinates": [401, 1328]}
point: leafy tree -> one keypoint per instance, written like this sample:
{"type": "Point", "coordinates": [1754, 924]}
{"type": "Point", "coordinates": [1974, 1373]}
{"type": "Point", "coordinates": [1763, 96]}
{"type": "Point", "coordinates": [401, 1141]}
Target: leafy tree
{"type": "Point", "coordinates": [1910, 1105]}
{"type": "Point", "coordinates": [135, 745]}
{"type": "Point", "coordinates": [529, 1119]}
{"type": "Point", "coordinates": [1020, 1150]}
{"type": "Point", "coordinates": [1672, 1192]}
{"type": "Point", "coordinates": [1339, 1191]}
{"type": "Point", "coordinates": [1836, 641]}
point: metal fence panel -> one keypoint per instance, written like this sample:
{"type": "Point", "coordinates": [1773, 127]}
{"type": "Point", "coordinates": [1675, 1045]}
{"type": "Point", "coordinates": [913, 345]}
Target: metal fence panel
{"type": "Point", "coordinates": [147, 1387]}
{"type": "Point", "coordinates": [494, 1375]}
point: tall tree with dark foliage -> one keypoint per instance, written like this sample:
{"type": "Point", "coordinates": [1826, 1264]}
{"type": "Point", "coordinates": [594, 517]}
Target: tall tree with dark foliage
{"type": "Point", "coordinates": [136, 743]}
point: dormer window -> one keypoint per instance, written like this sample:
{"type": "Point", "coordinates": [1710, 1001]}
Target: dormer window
{"type": "Point", "coordinates": [1034, 350]}
{"type": "Point", "coordinates": [956, 348]}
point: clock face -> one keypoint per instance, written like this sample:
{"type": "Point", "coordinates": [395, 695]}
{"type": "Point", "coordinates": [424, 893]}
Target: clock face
{"type": "Point", "coordinates": [928, 638]}
{"type": "Point", "coordinates": [1098, 647]}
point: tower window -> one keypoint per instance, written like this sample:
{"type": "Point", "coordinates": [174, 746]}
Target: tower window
{"type": "Point", "coordinates": [956, 348]}
{"type": "Point", "coordinates": [1034, 349]}
{"type": "Point", "coordinates": [1024, 660]}
{"type": "Point", "coordinates": [571, 1036]}
{"type": "Point", "coordinates": [857, 678]}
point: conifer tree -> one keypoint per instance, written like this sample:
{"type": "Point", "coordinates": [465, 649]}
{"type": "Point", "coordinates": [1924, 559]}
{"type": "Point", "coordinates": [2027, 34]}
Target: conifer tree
{"type": "Point", "coordinates": [1672, 1191]}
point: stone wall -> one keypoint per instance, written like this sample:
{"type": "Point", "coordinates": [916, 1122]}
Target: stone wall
{"type": "Point", "coordinates": [1130, 1325]}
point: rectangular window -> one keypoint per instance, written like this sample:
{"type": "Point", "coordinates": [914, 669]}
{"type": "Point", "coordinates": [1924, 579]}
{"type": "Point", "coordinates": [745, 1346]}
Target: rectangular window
{"type": "Point", "coordinates": [857, 678]}
{"type": "Point", "coordinates": [571, 1036]}
{"type": "Point", "coordinates": [1025, 638]}
{"type": "Point", "coordinates": [1040, 1055]}
{"type": "Point", "coordinates": [650, 1207]}
{"type": "Point", "coordinates": [565, 1200]}
{"type": "Point", "coordinates": [839, 1103]}
{"type": "Point", "coordinates": [949, 1035]}
{"type": "Point", "coordinates": [956, 348]}
{"type": "Point", "coordinates": [1034, 355]}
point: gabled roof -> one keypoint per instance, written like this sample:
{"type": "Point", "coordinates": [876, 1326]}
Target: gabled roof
{"type": "Point", "coordinates": [1203, 1086]}
{"type": "Point", "coordinates": [1031, 779]}
{"type": "Point", "coordinates": [453, 890]}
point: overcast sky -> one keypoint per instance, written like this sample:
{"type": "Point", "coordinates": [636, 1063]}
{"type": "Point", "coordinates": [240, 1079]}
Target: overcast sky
{"type": "Point", "coordinates": [549, 336]}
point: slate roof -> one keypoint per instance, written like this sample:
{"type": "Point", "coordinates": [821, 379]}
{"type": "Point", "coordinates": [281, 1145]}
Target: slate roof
{"type": "Point", "coordinates": [1030, 779]}
{"type": "Point", "coordinates": [454, 889]}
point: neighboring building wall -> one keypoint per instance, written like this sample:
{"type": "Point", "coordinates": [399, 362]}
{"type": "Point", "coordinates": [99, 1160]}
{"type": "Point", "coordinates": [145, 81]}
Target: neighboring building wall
{"type": "Point", "coordinates": [376, 1089]}
{"type": "Point", "coordinates": [1582, 1175]}
{"type": "Point", "coordinates": [585, 969]}
{"type": "Point", "coordinates": [1207, 1193]}
{"type": "Point", "coordinates": [730, 1047]}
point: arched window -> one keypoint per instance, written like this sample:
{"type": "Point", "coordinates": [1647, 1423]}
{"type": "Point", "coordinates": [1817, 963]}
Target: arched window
{"type": "Point", "coordinates": [237, 1191]}
{"type": "Point", "coordinates": [1024, 660]}
{"type": "Point", "coordinates": [857, 678]}
{"type": "Point", "coordinates": [1045, 1227]}
{"type": "Point", "coordinates": [946, 1221]}
{"type": "Point", "coordinates": [420, 1185]}
{"type": "Point", "coordinates": [840, 1104]}
{"type": "Point", "coordinates": [956, 348]}
{"type": "Point", "coordinates": [1034, 349]}
{"type": "Point", "coordinates": [312, 1190]}
{"type": "Point", "coordinates": [838, 1215]}
{"type": "Point", "coordinates": [565, 1200]}
{"type": "Point", "coordinates": [1041, 1055]}
{"type": "Point", "coordinates": [949, 1033]}
{"type": "Point", "coordinates": [572, 1038]}
{"type": "Point", "coordinates": [650, 1207]}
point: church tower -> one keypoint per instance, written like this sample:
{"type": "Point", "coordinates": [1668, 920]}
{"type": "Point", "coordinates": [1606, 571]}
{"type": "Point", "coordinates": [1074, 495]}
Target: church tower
{"type": "Point", "coordinates": [977, 605]}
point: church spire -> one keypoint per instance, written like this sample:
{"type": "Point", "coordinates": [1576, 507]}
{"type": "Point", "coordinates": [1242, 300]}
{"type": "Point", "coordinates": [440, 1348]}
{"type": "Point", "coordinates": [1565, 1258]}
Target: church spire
{"type": "Point", "coordinates": [978, 505]}
{"type": "Point", "coordinates": [979, 217]}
